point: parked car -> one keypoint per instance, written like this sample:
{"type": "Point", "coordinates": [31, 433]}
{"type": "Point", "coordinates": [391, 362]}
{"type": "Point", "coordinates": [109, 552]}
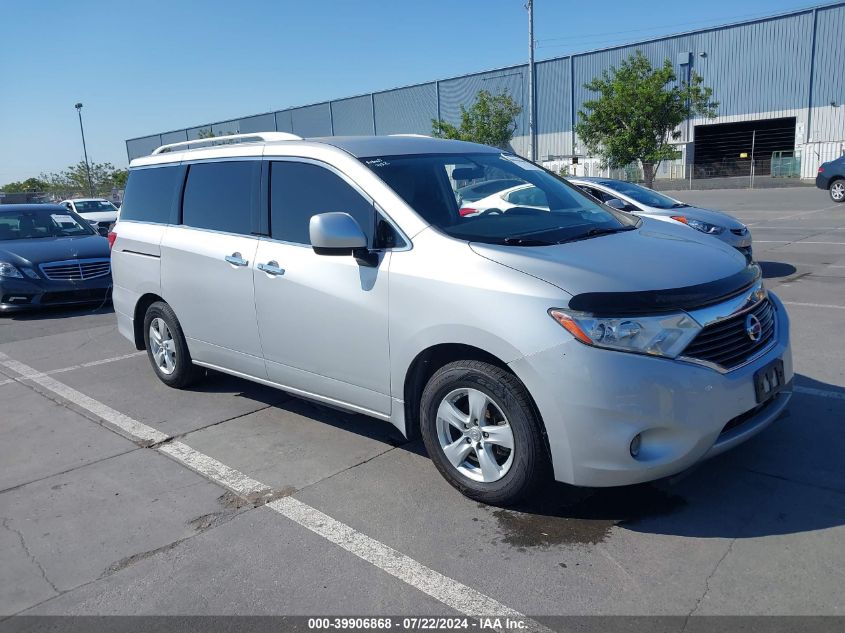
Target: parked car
{"type": "Point", "coordinates": [478, 190]}
{"type": "Point", "coordinates": [577, 340]}
{"type": "Point", "coordinates": [831, 177]}
{"type": "Point", "coordinates": [522, 195]}
{"type": "Point", "coordinates": [99, 212]}
{"type": "Point", "coordinates": [642, 201]}
{"type": "Point", "coordinates": [50, 256]}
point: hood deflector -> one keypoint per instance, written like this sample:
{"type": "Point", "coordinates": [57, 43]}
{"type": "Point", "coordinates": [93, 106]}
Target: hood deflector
{"type": "Point", "coordinates": [671, 299]}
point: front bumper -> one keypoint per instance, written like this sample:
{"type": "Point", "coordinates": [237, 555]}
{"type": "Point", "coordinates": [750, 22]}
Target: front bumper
{"type": "Point", "coordinates": [28, 294]}
{"type": "Point", "coordinates": [594, 401]}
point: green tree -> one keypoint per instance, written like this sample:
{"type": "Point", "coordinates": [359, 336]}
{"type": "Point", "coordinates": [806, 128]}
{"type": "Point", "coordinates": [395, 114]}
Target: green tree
{"type": "Point", "coordinates": [30, 184]}
{"type": "Point", "coordinates": [490, 120]}
{"type": "Point", "coordinates": [637, 113]}
{"type": "Point", "coordinates": [73, 181]}
{"type": "Point", "coordinates": [119, 177]}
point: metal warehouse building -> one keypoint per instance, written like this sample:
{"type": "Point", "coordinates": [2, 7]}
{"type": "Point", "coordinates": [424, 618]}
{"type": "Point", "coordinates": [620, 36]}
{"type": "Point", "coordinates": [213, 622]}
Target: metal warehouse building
{"type": "Point", "coordinates": [779, 82]}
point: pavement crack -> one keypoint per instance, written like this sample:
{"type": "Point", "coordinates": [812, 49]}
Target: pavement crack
{"type": "Point", "coordinates": [797, 482]}
{"type": "Point", "coordinates": [707, 584]}
{"type": "Point", "coordinates": [31, 556]}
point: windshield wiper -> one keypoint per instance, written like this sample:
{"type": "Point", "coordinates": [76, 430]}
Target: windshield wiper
{"type": "Point", "coordinates": [523, 241]}
{"type": "Point", "coordinates": [597, 232]}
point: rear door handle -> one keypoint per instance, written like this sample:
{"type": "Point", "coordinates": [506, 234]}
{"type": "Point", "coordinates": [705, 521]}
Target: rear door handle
{"type": "Point", "coordinates": [236, 260]}
{"type": "Point", "coordinates": [271, 268]}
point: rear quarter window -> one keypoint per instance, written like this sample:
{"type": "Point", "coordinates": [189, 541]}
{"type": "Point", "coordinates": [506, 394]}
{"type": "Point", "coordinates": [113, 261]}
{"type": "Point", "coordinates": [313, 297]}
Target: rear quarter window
{"type": "Point", "coordinates": [150, 194]}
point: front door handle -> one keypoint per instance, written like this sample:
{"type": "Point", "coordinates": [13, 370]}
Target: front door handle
{"type": "Point", "coordinates": [236, 260]}
{"type": "Point", "coordinates": [271, 268]}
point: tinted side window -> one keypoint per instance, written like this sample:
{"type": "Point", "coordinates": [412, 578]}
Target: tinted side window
{"type": "Point", "coordinates": [221, 196]}
{"type": "Point", "coordinates": [300, 190]}
{"type": "Point", "coordinates": [149, 194]}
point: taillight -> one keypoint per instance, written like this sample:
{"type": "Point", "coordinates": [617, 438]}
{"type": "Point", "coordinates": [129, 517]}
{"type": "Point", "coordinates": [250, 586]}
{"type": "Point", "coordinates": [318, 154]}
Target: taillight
{"type": "Point", "coordinates": [821, 169]}
{"type": "Point", "coordinates": [112, 238]}
{"type": "Point", "coordinates": [464, 211]}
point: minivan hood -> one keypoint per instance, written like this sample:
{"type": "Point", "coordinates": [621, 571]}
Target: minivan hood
{"type": "Point", "coordinates": [53, 249]}
{"type": "Point", "coordinates": [655, 256]}
{"type": "Point", "coordinates": [705, 215]}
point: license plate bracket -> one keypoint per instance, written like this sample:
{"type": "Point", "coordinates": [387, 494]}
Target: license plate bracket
{"type": "Point", "coordinates": [768, 381]}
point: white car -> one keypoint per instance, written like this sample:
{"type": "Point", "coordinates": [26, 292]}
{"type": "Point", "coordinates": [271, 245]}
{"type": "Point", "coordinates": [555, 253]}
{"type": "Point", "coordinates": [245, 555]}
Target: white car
{"type": "Point", "coordinates": [645, 202]}
{"type": "Point", "coordinates": [98, 211]}
{"type": "Point", "coordinates": [523, 195]}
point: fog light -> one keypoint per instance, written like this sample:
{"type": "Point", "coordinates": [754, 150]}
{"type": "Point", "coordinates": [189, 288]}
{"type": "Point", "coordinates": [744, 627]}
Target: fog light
{"type": "Point", "coordinates": [635, 445]}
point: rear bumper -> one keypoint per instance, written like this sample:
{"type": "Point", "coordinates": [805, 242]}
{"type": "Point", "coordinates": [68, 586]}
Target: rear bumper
{"type": "Point", "coordinates": [17, 295]}
{"type": "Point", "coordinates": [823, 181]}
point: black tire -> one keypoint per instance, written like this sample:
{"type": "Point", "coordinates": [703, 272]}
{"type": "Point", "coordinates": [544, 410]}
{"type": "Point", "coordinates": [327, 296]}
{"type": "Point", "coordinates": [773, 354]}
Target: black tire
{"type": "Point", "coordinates": [837, 190]}
{"type": "Point", "coordinates": [185, 372]}
{"type": "Point", "coordinates": [530, 459]}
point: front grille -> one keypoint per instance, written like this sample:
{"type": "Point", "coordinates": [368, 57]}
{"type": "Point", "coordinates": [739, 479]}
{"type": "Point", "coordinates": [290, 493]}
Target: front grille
{"type": "Point", "coordinates": [740, 232]}
{"type": "Point", "coordinates": [726, 343]}
{"type": "Point", "coordinates": [75, 296]}
{"type": "Point", "coordinates": [76, 269]}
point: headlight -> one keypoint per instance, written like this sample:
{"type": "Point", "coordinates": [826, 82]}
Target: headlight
{"type": "Point", "coordinates": [664, 335]}
{"type": "Point", "coordinates": [698, 225]}
{"type": "Point", "coordinates": [7, 270]}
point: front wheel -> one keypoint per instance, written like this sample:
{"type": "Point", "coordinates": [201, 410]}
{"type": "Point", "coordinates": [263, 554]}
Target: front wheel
{"type": "Point", "coordinates": [481, 432]}
{"type": "Point", "coordinates": [167, 348]}
{"type": "Point", "coordinates": [837, 191]}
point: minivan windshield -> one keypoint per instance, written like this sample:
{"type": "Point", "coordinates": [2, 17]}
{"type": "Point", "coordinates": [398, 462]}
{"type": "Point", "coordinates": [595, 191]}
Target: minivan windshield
{"type": "Point", "coordinates": [529, 207]}
{"type": "Point", "coordinates": [643, 195]}
{"type": "Point", "coordinates": [35, 223]}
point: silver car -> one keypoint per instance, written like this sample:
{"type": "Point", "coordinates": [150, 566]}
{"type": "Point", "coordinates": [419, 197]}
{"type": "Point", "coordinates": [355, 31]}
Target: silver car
{"type": "Point", "coordinates": [642, 201]}
{"type": "Point", "coordinates": [575, 341]}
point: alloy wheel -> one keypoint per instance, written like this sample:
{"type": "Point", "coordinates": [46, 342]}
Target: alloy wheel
{"type": "Point", "coordinates": [837, 190]}
{"type": "Point", "coordinates": [475, 435]}
{"type": "Point", "coordinates": [162, 346]}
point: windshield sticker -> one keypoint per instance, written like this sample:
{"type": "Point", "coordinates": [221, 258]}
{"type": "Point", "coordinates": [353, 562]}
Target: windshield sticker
{"type": "Point", "coordinates": [521, 162]}
{"type": "Point", "coordinates": [62, 219]}
{"type": "Point", "coordinates": [377, 162]}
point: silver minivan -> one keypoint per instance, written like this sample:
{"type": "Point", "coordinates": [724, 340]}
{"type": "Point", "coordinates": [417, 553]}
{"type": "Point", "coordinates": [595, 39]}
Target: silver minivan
{"type": "Point", "coordinates": [572, 341]}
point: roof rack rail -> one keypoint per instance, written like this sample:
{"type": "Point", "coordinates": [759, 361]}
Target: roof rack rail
{"type": "Point", "coordinates": [229, 139]}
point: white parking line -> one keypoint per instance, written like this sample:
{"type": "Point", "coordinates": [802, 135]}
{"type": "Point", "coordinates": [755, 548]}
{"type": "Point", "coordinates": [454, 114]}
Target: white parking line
{"type": "Point", "coordinates": [822, 393]}
{"type": "Point", "coordinates": [93, 363]}
{"type": "Point", "coordinates": [450, 592]}
{"type": "Point", "coordinates": [115, 420]}
{"type": "Point", "coordinates": [795, 215]}
{"type": "Point", "coordinates": [813, 305]}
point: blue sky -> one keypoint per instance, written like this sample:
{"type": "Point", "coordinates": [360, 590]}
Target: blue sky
{"type": "Point", "coordinates": [146, 67]}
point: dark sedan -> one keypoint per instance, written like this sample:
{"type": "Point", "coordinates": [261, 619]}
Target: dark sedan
{"type": "Point", "coordinates": [50, 256]}
{"type": "Point", "coordinates": [831, 176]}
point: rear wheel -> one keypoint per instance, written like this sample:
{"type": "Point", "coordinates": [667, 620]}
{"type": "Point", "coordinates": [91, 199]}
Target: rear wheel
{"type": "Point", "coordinates": [837, 190]}
{"type": "Point", "coordinates": [481, 432]}
{"type": "Point", "coordinates": [167, 349]}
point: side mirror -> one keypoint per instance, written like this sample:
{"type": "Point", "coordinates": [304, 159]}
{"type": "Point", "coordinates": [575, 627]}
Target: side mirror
{"type": "Point", "coordinates": [616, 203]}
{"type": "Point", "coordinates": [338, 233]}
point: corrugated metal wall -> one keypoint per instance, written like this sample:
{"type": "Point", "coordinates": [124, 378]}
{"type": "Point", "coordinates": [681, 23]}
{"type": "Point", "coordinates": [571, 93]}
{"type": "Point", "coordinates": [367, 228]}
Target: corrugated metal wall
{"type": "Point", "coordinates": [353, 117]}
{"type": "Point", "coordinates": [406, 110]}
{"type": "Point", "coordinates": [827, 120]}
{"type": "Point", "coordinates": [759, 69]}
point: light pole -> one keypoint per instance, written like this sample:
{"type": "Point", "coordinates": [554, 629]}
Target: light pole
{"type": "Point", "coordinates": [532, 132]}
{"type": "Point", "coordinates": [78, 107]}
